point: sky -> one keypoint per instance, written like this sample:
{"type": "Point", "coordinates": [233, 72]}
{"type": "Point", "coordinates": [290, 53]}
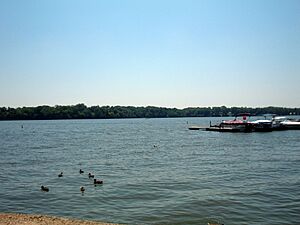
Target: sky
{"type": "Point", "coordinates": [166, 53]}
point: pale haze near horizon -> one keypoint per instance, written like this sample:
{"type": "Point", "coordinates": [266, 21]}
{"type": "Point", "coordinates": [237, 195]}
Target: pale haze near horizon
{"type": "Point", "coordinates": [140, 53]}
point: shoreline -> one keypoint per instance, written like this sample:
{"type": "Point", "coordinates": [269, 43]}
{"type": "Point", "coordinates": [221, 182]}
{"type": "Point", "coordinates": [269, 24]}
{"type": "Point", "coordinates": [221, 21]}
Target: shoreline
{"type": "Point", "coordinates": [35, 219]}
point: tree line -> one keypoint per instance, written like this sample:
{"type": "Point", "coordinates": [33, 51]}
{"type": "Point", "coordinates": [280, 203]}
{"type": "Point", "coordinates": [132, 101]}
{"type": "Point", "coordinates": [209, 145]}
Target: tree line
{"type": "Point", "coordinates": [81, 111]}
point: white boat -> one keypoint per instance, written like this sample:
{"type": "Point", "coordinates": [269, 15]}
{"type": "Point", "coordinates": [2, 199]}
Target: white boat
{"type": "Point", "coordinates": [291, 124]}
{"type": "Point", "coordinates": [284, 123]}
{"type": "Point", "coordinates": [262, 125]}
{"type": "Point", "coordinates": [276, 123]}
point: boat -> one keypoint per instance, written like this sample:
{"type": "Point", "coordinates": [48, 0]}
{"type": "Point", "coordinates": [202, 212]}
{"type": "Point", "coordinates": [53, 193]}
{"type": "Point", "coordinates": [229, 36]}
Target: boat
{"type": "Point", "coordinates": [241, 123]}
{"type": "Point", "coordinates": [276, 123]}
{"type": "Point", "coordinates": [262, 125]}
{"type": "Point", "coordinates": [236, 125]}
{"type": "Point", "coordinates": [290, 124]}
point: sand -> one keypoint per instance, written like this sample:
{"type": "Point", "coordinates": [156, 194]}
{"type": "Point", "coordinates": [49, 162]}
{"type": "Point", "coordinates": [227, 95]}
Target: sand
{"type": "Point", "coordinates": [28, 219]}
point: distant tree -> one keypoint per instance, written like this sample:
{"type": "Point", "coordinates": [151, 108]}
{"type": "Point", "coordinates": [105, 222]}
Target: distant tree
{"type": "Point", "coordinates": [81, 111]}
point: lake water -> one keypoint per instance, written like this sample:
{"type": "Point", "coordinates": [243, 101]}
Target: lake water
{"type": "Point", "coordinates": [155, 171]}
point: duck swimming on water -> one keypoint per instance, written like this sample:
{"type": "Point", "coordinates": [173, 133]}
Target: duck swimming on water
{"type": "Point", "coordinates": [60, 175]}
{"type": "Point", "coordinates": [91, 176]}
{"type": "Point", "coordinates": [82, 189]}
{"type": "Point", "coordinates": [43, 188]}
{"type": "Point", "coordinates": [98, 181]}
{"type": "Point", "coordinates": [81, 171]}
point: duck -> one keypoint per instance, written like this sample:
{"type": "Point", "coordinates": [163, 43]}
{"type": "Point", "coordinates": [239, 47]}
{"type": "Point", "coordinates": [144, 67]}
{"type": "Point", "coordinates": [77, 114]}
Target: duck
{"type": "Point", "coordinates": [43, 188]}
{"type": "Point", "coordinates": [60, 175]}
{"type": "Point", "coordinates": [82, 189]}
{"type": "Point", "coordinates": [91, 176]}
{"type": "Point", "coordinates": [98, 181]}
{"type": "Point", "coordinates": [81, 171]}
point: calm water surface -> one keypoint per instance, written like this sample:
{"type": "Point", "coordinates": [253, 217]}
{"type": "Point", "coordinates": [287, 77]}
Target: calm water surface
{"type": "Point", "coordinates": [155, 171]}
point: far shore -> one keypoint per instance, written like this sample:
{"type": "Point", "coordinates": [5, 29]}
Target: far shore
{"type": "Point", "coordinates": [31, 219]}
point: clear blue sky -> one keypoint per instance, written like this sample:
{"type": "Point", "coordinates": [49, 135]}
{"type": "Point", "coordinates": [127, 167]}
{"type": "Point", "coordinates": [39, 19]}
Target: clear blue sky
{"type": "Point", "coordinates": [150, 52]}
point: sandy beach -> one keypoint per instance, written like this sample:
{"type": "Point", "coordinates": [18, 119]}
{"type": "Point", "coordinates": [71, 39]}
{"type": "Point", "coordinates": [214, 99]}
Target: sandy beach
{"type": "Point", "coordinates": [28, 219]}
